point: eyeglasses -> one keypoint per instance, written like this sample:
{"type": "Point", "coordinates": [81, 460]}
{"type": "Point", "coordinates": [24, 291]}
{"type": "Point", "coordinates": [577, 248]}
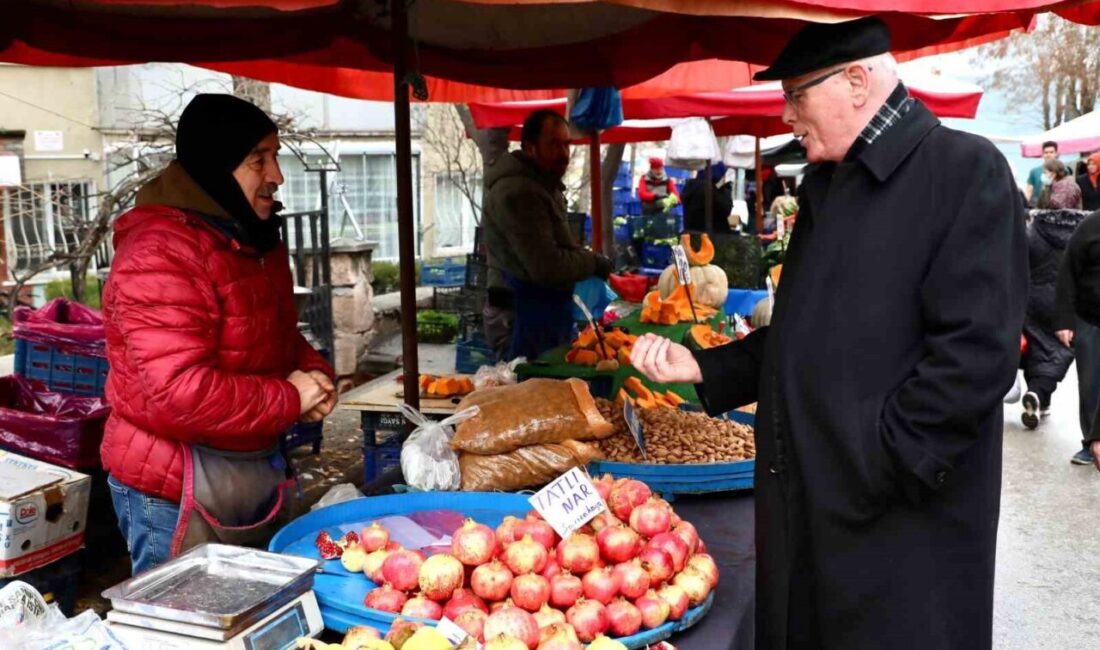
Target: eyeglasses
{"type": "Point", "coordinates": [793, 94]}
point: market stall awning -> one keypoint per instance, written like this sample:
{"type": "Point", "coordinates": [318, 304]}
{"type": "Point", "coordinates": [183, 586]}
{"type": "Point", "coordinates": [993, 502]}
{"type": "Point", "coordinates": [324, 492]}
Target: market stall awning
{"type": "Point", "coordinates": [332, 47]}
{"type": "Point", "coordinates": [1080, 135]}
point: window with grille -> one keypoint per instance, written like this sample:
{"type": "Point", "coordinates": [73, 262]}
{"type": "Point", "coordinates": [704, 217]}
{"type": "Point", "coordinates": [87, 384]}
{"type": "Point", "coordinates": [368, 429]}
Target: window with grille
{"type": "Point", "coordinates": [454, 215]}
{"type": "Point", "coordinates": [42, 218]}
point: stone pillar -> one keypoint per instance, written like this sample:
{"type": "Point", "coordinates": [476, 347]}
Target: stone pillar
{"type": "Point", "coordinates": [352, 313]}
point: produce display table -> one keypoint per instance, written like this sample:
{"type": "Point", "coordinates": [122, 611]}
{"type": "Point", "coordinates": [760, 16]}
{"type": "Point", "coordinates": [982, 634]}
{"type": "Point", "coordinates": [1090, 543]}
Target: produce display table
{"type": "Point", "coordinates": [378, 401]}
{"type": "Point", "coordinates": [552, 364]}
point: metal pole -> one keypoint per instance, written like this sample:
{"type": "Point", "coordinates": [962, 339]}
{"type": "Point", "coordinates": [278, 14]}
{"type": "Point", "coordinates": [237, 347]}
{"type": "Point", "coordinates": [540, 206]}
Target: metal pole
{"type": "Point", "coordinates": [708, 199]}
{"type": "Point", "coordinates": [759, 189]}
{"type": "Point", "coordinates": [405, 225]}
{"type": "Point", "coordinates": [597, 191]}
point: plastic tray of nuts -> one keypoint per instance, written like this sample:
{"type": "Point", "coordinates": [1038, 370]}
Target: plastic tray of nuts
{"type": "Point", "coordinates": [682, 449]}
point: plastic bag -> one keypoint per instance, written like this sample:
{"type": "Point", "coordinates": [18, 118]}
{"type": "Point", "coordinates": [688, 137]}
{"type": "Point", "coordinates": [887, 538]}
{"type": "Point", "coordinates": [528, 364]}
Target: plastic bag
{"type": "Point", "coordinates": [692, 144]}
{"type": "Point", "coordinates": [58, 428]}
{"type": "Point", "coordinates": [337, 494]}
{"type": "Point", "coordinates": [502, 374]}
{"type": "Point", "coordinates": [70, 326]}
{"type": "Point", "coordinates": [427, 460]}
{"type": "Point", "coordinates": [595, 294]}
{"type": "Point", "coordinates": [525, 467]}
{"type": "Point", "coordinates": [27, 623]}
{"type": "Point", "coordinates": [596, 109]}
{"type": "Point", "coordinates": [534, 412]}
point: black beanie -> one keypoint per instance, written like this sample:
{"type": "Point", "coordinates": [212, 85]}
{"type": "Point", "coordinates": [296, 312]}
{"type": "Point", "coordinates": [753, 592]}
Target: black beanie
{"type": "Point", "coordinates": [214, 136]}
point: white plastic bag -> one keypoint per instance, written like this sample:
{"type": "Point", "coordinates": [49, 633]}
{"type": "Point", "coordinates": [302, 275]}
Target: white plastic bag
{"type": "Point", "coordinates": [337, 494]}
{"type": "Point", "coordinates": [692, 144]}
{"type": "Point", "coordinates": [427, 460]}
{"type": "Point", "coordinates": [27, 623]}
{"type": "Point", "coordinates": [502, 374]}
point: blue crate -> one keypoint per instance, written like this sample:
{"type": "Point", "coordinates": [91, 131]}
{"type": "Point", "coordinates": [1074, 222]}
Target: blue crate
{"type": "Point", "coordinates": [57, 581]}
{"type": "Point", "coordinates": [61, 372]}
{"type": "Point", "coordinates": [447, 273]}
{"type": "Point", "coordinates": [378, 459]}
{"type": "Point", "coordinates": [621, 195]}
{"type": "Point", "coordinates": [678, 174]}
{"type": "Point", "coordinates": [656, 255]}
{"type": "Point", "coordinates": [622, 233]}
{"type": "Point", "coordinates": [473, 353]}
{"type": "Point", "coordinates": [656, 226]}
{"type": "Point", "coordinates": [302, 434]}
{"type": "Point", "coordinates": [634, 207]}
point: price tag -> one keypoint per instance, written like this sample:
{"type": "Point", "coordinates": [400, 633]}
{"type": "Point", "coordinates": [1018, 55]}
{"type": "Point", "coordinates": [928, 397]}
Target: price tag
{"type": "Point", "coordinates": [630, 414]}
{"type": "Point", "coordinates": [568, 502]}
{"type": "Point", "coordinates": [683, 271]}
{"type": "Point", "coordinates": [451, 631]}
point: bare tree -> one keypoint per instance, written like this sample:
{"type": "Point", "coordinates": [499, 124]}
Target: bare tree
{"type": "Point", "coordinates": [1056, 66]}
{"type": "Point", "coordinates": [449, 131]}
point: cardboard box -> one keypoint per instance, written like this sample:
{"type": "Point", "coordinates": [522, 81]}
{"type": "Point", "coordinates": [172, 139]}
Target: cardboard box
{"type": "Point", "coordinates": [43, 512]}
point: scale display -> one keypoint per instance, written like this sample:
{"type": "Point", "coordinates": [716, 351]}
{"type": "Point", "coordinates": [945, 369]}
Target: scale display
{"type": "Point", "coordinates": [274, 634]}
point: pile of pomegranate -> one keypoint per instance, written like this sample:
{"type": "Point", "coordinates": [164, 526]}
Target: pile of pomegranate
{"type": "Point", "coordinates": [631, 568]}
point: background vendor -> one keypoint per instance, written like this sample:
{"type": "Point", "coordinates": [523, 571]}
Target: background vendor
{"type": "Point", "coordinates": [202, 333]}
{"type": "Point", "coordinates": [656, 190]}
{"type": "Point", "coordinates": [534, 261]}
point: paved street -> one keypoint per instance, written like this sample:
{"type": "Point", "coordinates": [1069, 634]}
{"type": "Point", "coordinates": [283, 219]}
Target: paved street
{"type": "Point", "coordinates": [1048, 556]}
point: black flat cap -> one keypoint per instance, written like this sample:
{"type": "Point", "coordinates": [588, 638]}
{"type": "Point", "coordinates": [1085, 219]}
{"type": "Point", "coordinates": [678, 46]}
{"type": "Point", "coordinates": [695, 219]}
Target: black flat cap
{"type": "Point", "coordinates": [821, 45]}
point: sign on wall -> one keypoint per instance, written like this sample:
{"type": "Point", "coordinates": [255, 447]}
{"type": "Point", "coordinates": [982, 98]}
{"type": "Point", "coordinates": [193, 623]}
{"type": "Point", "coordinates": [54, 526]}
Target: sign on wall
{"type": "Point", "coordinates": [49, 141]}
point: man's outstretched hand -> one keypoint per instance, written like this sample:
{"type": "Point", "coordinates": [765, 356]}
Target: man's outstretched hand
{"type": "Point", "coordinates": [663, 361]}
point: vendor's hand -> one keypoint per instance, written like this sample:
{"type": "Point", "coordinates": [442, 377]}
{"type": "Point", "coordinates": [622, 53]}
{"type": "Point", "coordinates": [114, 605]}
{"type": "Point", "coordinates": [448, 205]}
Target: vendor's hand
{"type": "Point", "coordinates": [310, 392]}
{"type": "Point", "coordinates": [1066, 337]}
{"type": "Point", "coordinates": [663, 361]}
{"type": "Point", "coordinates": [1095, 446]}
{"type": "Point", "coordinates": [322, 410]}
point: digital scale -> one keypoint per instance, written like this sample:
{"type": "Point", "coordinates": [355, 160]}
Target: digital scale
{"type": "Point", "coordinates": [218, 596]}
{"type": "Point", "coordinates": [278, 631]}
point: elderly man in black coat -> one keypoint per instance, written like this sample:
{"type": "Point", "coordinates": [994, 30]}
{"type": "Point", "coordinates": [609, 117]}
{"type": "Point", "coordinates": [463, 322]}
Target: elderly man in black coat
{"type": "Point", "coordinates": [894, 337]}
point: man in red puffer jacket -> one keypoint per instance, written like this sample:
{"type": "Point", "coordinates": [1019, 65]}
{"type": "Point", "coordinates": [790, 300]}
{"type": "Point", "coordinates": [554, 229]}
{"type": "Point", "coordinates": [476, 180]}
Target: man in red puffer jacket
{"type": "Point", "coordinates": [202, 333]}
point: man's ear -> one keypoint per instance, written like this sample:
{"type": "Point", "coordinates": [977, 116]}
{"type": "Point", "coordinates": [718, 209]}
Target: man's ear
{"type": "Point", "coordinates": [859, 79]}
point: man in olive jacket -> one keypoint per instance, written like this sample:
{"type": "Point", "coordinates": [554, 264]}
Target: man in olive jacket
{"type": "Point", "coordinates": [894, 337]}
{"type": "Point", "coordinates": [533, 259]}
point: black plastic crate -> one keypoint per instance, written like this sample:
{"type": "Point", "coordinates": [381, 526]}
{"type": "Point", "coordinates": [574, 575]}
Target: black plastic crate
{"type": "Point", "coordinates": [470, 325]}
{"type": "Point", "coordinates": [477, 272]}
{"type": "Point", "coordinates": [459, 300]}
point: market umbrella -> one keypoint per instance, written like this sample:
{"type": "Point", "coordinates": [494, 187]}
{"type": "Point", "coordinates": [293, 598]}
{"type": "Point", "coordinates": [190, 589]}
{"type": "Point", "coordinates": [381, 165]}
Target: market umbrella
{"type": "Point", "coordinates": [1080, 135]}
{"type": "Point", "coordinates": [503, 43]}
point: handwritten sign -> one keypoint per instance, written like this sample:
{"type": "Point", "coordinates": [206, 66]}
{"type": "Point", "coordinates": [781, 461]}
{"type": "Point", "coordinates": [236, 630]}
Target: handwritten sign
{"type": "Point", "coordinates": [683, 271]}
{"type": "Point", "coordinates": [630, 414]}
{"type": "Point", "coordinates": [568, 502]}
{"type": "Point", "coordinates": [451, 631]}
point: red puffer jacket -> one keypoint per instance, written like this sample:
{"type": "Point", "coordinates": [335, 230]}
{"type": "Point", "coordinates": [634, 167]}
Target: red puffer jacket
{"type": "Point", "coordinates": [201, 335]}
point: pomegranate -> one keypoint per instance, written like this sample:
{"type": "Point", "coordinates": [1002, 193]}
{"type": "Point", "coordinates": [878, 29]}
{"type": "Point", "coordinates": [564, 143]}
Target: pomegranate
{"type": "Point", "coordinates": [694, 583]}
{"type": "Point", "coordinates": [533, 515]}
{"type": "Point", "coordinates": [360, 636]}
{"type": "Point", "coordinates": [632, 578]}
{"type": "Point", "coordinates": [588, 618]}
{"type": "Point", "coordinates": [650, 518]}
{"type": "Point", "coordinates": [541, 532]}
{"type": "Point", "coordinates": [513, 621]}
{"type": "Point", "coordinates": [374, 537]}
{"type": "Point", "coordinates": [676, 548]}
{"type": "Point", "coordinates": [505, 642]}
{"type": "Point", "coordinates": [618, 543]}
{"type": "Point", "coordinates": [626, 494]}
{"type": "Point", "coordinates": [421, 607]}
{"type": "Point", "coordinates": [506, 531]}
{"type": "Point", "coordinates": [673, 517]}
{"type": "Point", "coordinates": [579, 553]}
{"type": "Point", "coordinates": [604, 643]}
{"type": "Point", "coordinates": [677, 600]}
{"type": "Point", "coordinates": [525, 556]}
{"type": "Point", "coordinates": [604, 485]}
{"type": "Point", "coordinates": [658, 564]}
{"type": "Point", "coordinates": [440, 575]}
{"type": "Point", "coordinates": [600, 585]}
{"type": "Point", "coordinates": [386, 599]}
{"type": "Point", "coordinates": [372, 565]}
{"type": "Point", "coordinates": [491, 581]}
{"type": "Point", "coordinates": [354, 557]}
{"type": "Point", "coordinates": [686, 531]}
{"type": "Point", "coordinates": [472, 621]}
{"type": "Point", "coordinates": [558, 639]}
{"type": "Point", "coordinates": [552, 568]}
{"type": "Point", "coordinates": [701, 549]}
{"type": "Point", "coordinates": [463, 600]}
{"type": "Point", "coordinates": [400, 631]}
{"type": "Point", "coordinates": [547, 616]}
{"type": "Point", "coordinates": [623, 618]}
{"type": "Point", "coordinates": [393, 546]}
{"type": "Point", "coordinates": [705, 564]}
{"type": "Point", "coordinates": [565, 589]}
{"type": "Point", "coordinates": [496, 607]}
{"type": "Point", "coordinates": [530, 591]}
{"type": "Point", "coordinates": [401, 570]}
{"type": "Point", "coordinates": [603, 520]}
{"type": "Point", "coordinates": [654, 610]}
{"type": "Point", "coordinates": [474, 544]}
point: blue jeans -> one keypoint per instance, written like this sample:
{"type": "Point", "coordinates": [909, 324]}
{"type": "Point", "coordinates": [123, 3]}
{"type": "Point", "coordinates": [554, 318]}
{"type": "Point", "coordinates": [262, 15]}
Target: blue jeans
{"type": "Point", "coordinates": [146, 522]}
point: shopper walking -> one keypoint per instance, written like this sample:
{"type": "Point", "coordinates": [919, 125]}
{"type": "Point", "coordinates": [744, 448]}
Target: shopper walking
{"type": "Point", "coordinates": [1061, 189]}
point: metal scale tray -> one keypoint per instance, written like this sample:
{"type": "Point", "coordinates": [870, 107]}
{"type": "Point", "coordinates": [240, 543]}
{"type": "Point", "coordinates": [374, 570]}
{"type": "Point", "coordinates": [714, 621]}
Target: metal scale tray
{"type": "Point", "coordinates": [215, 586]}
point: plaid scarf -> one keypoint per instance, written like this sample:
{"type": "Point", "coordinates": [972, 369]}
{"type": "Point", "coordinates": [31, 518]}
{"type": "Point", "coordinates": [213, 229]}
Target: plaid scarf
{"type": "Point", "coordinates": [896, 107]}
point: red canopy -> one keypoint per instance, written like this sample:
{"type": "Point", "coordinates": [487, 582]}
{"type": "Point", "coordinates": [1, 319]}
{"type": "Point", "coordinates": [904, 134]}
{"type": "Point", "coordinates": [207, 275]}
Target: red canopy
{"type": "Point", "coordinates": [754, 110]}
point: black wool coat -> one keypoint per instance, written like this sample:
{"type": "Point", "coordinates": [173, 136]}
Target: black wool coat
{"type": "Point", "coordinates": [894, 338]}
{"type": "Point", "coordinates": [1047, 237]}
